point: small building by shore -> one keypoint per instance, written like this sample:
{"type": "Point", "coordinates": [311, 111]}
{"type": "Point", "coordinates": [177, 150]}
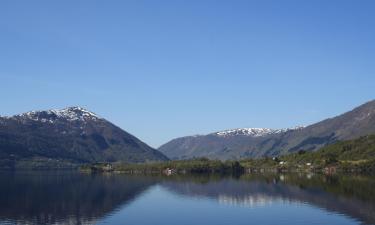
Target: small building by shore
{"type": "Point", "coordinates": [169, 171]}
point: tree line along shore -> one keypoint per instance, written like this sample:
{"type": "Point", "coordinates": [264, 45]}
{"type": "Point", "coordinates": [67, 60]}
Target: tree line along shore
{"type": "Point", "coordinates": [353, 156]}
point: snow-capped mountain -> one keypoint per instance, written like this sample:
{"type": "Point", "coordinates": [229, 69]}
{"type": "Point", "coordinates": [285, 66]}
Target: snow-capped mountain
{"type": "Point", "coordinates": [254, 132]}
{"type": "Point", "coordinates": [73, 135]}
{"type": "Point", "coordinates": [69, 114]}
{"type": "Point", "coordinates": [259, 142]}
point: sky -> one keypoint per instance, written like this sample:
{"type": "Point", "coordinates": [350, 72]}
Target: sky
{"type": "Point", "coordinates": [166, 69]}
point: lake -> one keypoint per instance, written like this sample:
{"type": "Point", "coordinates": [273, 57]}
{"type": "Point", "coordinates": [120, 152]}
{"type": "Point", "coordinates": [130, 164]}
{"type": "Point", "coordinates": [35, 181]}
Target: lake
{"type": "Point", "coordinates": [62, 197]}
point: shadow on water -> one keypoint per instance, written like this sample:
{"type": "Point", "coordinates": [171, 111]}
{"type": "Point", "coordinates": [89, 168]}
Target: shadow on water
{"type": "Point", "coordinates": [74, 198]}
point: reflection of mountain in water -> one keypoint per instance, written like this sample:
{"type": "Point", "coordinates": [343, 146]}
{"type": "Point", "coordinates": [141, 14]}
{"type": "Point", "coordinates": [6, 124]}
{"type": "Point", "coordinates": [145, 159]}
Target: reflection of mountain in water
{"type": "Point", "coordinates": [350, 196]}
{"type": "Point", "coordinates": [73, 198]}
{"type": "Point", "coordinates": [65, 198]}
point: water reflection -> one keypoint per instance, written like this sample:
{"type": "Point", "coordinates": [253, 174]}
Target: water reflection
{"type": "Point", "coordinates": [64, 198]}
{"type": "Point", "coordinates": [74, 198]}
{"type": "Point", "coordinates": [353, 196]}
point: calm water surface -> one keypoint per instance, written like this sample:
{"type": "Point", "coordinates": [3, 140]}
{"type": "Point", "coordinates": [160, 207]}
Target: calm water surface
{"type": "Point", "coordinates": [290, 199]}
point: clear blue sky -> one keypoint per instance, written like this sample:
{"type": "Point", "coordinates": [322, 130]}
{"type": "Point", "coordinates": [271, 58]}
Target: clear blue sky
{"type": "Point", "coordinates": [164, 69]}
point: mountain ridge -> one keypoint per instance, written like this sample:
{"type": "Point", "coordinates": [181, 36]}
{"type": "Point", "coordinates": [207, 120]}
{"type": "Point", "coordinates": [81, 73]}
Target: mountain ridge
{"type": "Point", "coordinates": [357, 122]}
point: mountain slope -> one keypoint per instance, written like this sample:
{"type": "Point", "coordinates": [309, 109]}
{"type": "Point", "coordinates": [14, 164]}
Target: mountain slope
{"type": "Point", "coordinates": [355, 151]}
{"type": "Point", "coordinates": [72, 134]}
{"type": "Point", "coordinates": [258, 142]}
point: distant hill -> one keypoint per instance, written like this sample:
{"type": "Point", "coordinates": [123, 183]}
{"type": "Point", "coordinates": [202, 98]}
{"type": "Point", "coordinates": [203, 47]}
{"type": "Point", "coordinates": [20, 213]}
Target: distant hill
{"type": "Point", "coordinates": [73, 135]}
{"type": "Point", "coordinates": [259, 142]}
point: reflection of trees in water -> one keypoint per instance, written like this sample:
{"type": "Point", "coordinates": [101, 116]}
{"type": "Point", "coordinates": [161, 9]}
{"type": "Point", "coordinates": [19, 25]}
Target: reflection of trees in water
{"type": "Point", "coordinates": [65, 198]}
{"type": "Point", "coordinates": [349, 195]}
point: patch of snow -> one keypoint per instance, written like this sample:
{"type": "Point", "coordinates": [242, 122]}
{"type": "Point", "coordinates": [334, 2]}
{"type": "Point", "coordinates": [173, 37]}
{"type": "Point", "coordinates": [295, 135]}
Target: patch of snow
{"type": "Point", "coordinates": [70, 114]}
{"type": "Point", "coordinates": [254, 132]}
{"type": "Point", "coordinates": [75, 113]}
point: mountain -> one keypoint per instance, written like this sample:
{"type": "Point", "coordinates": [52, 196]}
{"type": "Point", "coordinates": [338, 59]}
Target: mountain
{"type": "Point", "coordinates": [259, 142]}
{"type": "Point", "coordinates": [73, 135]}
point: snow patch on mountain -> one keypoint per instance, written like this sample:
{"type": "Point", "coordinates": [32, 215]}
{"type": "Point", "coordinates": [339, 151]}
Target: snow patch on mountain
{"type": "Point", "coordinates": [70, 114]}
{"type": "Point", "coordinates": [76, 113]}
{"type": "Point", "coordinates": [254, 132]}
